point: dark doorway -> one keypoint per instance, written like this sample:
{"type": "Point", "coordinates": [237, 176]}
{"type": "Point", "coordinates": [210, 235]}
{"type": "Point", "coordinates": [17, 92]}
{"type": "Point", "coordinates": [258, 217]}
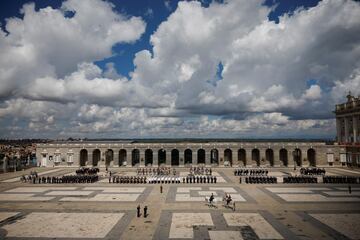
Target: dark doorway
{"type": "Point", "coordinates": [162, 157]}
{"type": "Point", "coordinates": [214, 155]}
{"type": "Point", "coordinates": [228, 156]}
{"type": "Point", "coordinates": [311, 155]}
{"type": "Point", "coordinates": [96, 157]}
{"type": "Point", "coordinates": [201, 156]}
{"type": "Point", "coordinates": [109, 157]}
{"type": "Point", "coordinates": [83, 157]}
{"type": "Point", "coordinates": [188, 156]}
{"type": "Point", "coordinates": [297, 157]}
{"type": "Point", "coordinates": [122, 157]}
{"type": "Point", "coordinates": [242, 156]}
{"type": "Point", "coordinates": [255, 156]}
{"type": "Point", "coordinates": [135, 157]}
{"type": "Point", "coordinates": [269, 156]}
{"type": "Point", "coordinates": [175, 157]}
{"type": "Point", "coordinates": [148, 157]}
{"type": "Point", "coordinates": [284, 156]}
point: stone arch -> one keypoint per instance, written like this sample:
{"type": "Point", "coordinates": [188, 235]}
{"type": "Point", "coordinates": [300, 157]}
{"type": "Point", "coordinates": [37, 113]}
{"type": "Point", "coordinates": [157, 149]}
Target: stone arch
{"type": "Point", "coordinates": [311, 156]}
{"type": "Point", "coordinates": [96, 157]}
{"type": "Point", "coordinates": [297, 157]}
{"type": "Point", "coordinates": [148, 157]}
{"type": "Point", "coordinates": [83, 157]}
{"type": "Point", "coordinates": [109, 157]}
{"type": "Point", "coordinates": [214, 156]}
{"type": "Point", "coordinates": [175, 157]}
{"type": "Point", "coordinates": [269, 156]}
{"type": "Point", "coordinates": [161, 157]}
{"type": "Point", "coordinates": [242, 156]}
{"type": "Point", "coordinates": [228, 156]}
{"type": "Point", "coordinates": [135, 157]}
{"type": "Point", "coordinates": [188, 156]}
{"type": "Point", "coordinates": [283, 154]}
{"type": "Point", "coordinates": [201, 156]}
{"type": "Point", "coordinates": [122, 157]}
{"type": "Point", "coordinates": [255, 156]}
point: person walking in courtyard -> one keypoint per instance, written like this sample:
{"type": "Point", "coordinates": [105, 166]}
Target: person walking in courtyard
{"type": "Point", "coordinates": [145, 211]}
{"type": "Point", "coordinates": [211, 199]}
{"type": "Point", "coordinates": [138, 211]}
{"type": "Point", "coordinates": [349, 189]}
{"type": "Point", "coordinates": [161, 188]}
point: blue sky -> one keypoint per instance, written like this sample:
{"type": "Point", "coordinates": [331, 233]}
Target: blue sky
{"type": "Point", "coordinates": [155, 68]}
{"type": "Point", "coordinates": [153, 12]}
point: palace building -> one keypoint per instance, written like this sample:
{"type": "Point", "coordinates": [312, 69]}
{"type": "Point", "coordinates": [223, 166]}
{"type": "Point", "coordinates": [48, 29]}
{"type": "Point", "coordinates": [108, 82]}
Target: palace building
{"type": "Point", "coordinates": [181, 153]}
{"type": "Point", "coordinates": [348, 129]}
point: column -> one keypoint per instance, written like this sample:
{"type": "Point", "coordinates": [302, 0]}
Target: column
{"type": "Point", "coordinates": [115, 161]}
{"type": "Point", "coordinates": [234, 157]}
{"type": "Point", "coordinates": [221, 157]}
{"type": "Point", "coordinates": [346, 129]}
{"type": "Point", "coordinates": [155, 158]}
{"type": "Point", "coordinates": [89, 160]}
{"type": "Point", "coordinates": [207, 157]}
{"type": "Point", "coordinates": [277, 162]}
{"type": "Point", "coordinates": [142, 157]}
{"type": "Point", "coordinates": [355, 127]}
{"type": "Point", "coordinates": [338, 129]}
{"type": "Point", "coordinates": [181, 158]}
{"type": "Point", "coordinates": [194, 157]}
{"type": "Point", "coordinates": [263, 160]}
{"type": "Point", "coordinates": [248, 157]}
{"type": "Point", "coordinates": [129, 157]}
{"type": "Point", "coordinates": [168, 157]}
{"type": "Point", "coordinates": [291, 162]}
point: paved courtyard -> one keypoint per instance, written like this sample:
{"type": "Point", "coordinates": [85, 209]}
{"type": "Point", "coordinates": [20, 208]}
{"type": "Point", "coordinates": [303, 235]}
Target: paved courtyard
{"type": "Point", "coordinates": [105, 210]}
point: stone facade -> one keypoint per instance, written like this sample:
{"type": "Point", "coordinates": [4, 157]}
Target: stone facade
{"type": "Point", "coordinates": [347, 130]}
{"type": "Point", "coordinates": [186, 153]}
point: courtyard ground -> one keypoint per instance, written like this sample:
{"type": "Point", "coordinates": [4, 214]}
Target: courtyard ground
{"type": "Point", "coordinates": [105, 210]}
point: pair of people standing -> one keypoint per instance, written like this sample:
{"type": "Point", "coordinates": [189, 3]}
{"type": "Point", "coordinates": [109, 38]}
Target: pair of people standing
{"type": "Point", "coordinates": [139, 211]}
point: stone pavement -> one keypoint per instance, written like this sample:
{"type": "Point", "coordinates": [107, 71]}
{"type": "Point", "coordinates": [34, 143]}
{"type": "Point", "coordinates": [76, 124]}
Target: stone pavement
{"type": "Point", "coordinates": [108, 211]}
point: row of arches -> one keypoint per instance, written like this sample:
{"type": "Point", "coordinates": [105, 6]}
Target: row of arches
{"type": "Point", "coordinates": [201, 156]}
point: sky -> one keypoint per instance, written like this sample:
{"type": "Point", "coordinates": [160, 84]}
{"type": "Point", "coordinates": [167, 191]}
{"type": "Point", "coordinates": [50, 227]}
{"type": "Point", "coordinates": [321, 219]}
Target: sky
{"type": "Point", "coordinates": [176, 69]}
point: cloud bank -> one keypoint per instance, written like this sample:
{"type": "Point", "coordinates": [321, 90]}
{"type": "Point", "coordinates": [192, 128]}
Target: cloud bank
{"type": "Point", "coordinates": [218, 71]}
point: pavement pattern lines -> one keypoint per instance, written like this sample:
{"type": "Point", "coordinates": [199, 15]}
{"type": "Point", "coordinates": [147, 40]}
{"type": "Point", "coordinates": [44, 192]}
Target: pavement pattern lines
{"type": "Point", "coordinates": [63, 225]}
{"type": "Point", "coordinates": [6, 215]}
{"type": "Point", "coordinates": [314, 194]}
{"type": "Point", "coordinates": [74, 194]}
{"type": "Point", "coordinates": [182, 225]}
{"type": "Point", "coordinates": [346, 224]}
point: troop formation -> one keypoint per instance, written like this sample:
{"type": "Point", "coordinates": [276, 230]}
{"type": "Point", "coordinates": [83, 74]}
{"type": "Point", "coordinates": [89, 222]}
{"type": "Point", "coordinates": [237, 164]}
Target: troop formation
{"type": "Point", "coordinates": [87, 171]}
{"type": "Point", "coordinates": [251, 172]}
{"type": "Point", "coordinates": [312, 171]}
{"type": "Point", "coordinates": [200, 179]}
{"type": "Point", "coordinates": [128, 179]}
{"type": "Point", "coordinates": [163, 179]}
{"type": "Point", "coordinates": [66, 179]}
{"type": "Point", "coordinates": [200, 171]}
{"type": "Point", "coordinates": [260, 179]}
{"type": "Point", "coordinates": [156, 171]}
{"type": "Point", "coordinates": [341, 179]}
{"type": "Point", "coordinates": [300, 179]}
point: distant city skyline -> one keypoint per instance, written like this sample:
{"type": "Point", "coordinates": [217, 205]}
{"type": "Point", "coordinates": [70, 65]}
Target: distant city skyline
{"type": "Point", "coordinates": [176, 69]}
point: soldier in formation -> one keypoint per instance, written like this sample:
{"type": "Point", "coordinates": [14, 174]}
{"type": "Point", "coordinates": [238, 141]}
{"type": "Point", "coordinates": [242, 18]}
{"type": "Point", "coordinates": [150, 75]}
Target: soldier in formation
{"type": "Point", "coordinates": [300, 179]}
{"type": "Point", "coordinates": [250, 172]}
{"type": "Point", "coordinates": [341, 179]}
{"type": "Point", "coordinates": [260, 179]}
{"type": "Point", "coordinates": [312, 171]}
